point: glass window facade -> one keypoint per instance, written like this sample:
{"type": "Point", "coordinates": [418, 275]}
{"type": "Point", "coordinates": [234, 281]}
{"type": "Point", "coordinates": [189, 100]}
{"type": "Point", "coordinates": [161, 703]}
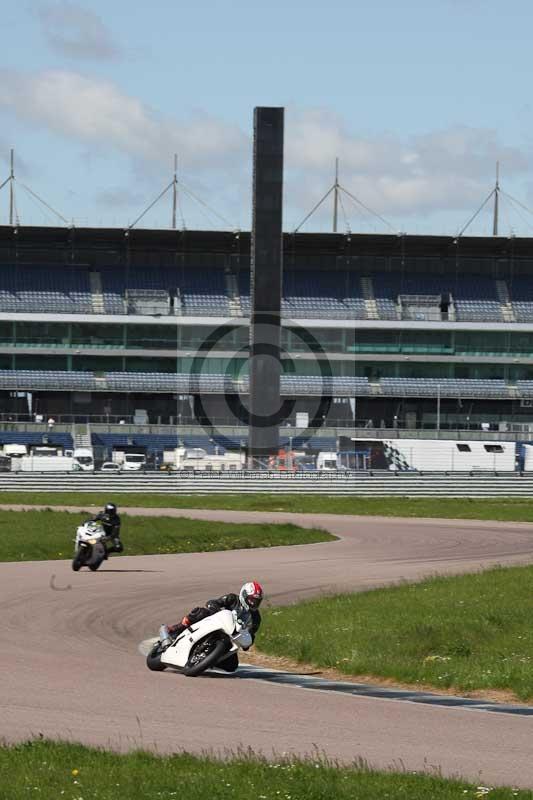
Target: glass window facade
{"type": "Point", "coordinates": [6, 332]}
{"type": "Point", "coordinates": [156, 337]}
{"type": "Point", "coordinates": [224, 338]}
{"type": "Point", "coordinates": [154, 364]}
{"type": "Point", "coordinates": [302, 350]}
{"type": "Point", "coordinates": [294, 340]}
{"type": "Point", "coordinates": [41, 333]}
{"type": "Point", "coordinates": [96, 335]}
{"type": "Point", "coordinates": [37, 362]}
{"type": "Point", "coordinates": [97, 363]}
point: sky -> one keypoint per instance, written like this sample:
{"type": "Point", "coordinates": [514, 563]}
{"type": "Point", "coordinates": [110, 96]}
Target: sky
{"type": "Point", "coordinates": [417, 100]}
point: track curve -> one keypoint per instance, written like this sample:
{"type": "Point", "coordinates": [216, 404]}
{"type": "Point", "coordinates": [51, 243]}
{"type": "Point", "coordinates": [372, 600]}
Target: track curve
{"type": "Point", "coordinates": [70, 666]}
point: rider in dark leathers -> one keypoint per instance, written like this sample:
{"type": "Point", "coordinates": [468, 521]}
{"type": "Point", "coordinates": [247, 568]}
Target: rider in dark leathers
{"type": "Point", "coordinates": [110, 522]}
{"type": "Point", "coordinates": [246, 603]}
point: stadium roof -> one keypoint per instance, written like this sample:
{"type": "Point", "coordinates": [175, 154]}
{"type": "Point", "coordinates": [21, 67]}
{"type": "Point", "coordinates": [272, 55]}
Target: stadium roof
{"type": "Point", "coordinates": [58, 238]}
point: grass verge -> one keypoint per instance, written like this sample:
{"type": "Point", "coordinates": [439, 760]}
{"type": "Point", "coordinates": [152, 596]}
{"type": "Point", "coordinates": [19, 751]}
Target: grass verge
{"type": "Point", "coordinates": [500, 508]}
{"type": "Point", "coordinates": [471, 632]}
{"type": "Point", "coordinates": [44, 535]}
{"type": "Point", "coordinates": [52, 770]}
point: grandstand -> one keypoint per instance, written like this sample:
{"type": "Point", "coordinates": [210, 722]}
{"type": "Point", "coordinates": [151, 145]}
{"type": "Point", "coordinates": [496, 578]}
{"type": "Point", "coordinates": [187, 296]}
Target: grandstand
{"type": "Point", "coordinates": [391, 330]}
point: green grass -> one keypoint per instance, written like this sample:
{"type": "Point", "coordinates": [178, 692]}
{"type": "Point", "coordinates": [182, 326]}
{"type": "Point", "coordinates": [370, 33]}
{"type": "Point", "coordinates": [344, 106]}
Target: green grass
{"type": "Point", "coordinates": [43, 535]}
{"type": "Point", "coordinates": [471, 632]}
{"type": "Point", "coordinates": [501, 508]}
{"type": "Point", "coordinates": [51, 771]}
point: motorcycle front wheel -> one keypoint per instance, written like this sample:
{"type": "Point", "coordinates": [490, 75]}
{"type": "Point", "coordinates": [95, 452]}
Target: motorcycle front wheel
{"type": "Point", "coordinates": [204, 654]}
{"type": "Point", "coordinates": [153, 659]}
{"type": "Point", "coordinates": [97, 556]}
{"type": "Point", "coordinates": [78, 561]}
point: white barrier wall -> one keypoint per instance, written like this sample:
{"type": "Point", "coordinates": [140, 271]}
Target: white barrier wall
{"type": "Point", "coordinates": [384, 484]}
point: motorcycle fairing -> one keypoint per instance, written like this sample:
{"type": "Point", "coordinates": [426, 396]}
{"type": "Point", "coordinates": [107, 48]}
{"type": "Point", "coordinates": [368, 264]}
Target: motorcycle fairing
{"type": "Point", "coordinates": [178, 653]}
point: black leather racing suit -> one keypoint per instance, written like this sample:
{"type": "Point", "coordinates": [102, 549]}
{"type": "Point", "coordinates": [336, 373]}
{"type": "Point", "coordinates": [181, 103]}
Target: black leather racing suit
{"type": "Point", "coordinates": [232, 603]}
{"type": "Point", "coordinates": [111, 525]}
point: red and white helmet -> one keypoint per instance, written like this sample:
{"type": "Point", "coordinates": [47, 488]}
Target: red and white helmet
{"type": "Point", "coordinates": [251, 595]}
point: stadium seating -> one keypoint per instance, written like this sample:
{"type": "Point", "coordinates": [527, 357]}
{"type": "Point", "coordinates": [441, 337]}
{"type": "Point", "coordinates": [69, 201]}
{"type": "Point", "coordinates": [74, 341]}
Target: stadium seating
{"type": "Point", "coordinates": [388, 287]}
{"type": "Point", "coordinates": [170, 382]}
{"type": "Point", "coordinates": [474, 298]}
{"type": "Point", "coordinates": [393, 295]}
{"type": "Point", "coordinates": [525, 388]}
{"type": "Point", "coordinates": [113, 291]}
{"type": "Point", "coordinates": [47, 289]}
{"type": "Point", "coordinates": [315, 385]}
{"type": "Point", "coordinates": [521, 293]}
{"type": "Point", "coordinates": [49, 437]}
{"type": "Point", "coordinates": [156, 443]}
{"type": "Point", "coordinates": [46, 379]}
{"type": "Point", "coordinates": [203, 291]}
{"type": "Point", "coordinates": [199, 292]}
{"type": "Point", "coordinates": [477, 299]}
{"type": "Point", "coordinates": [324, 385]}
{"type": "Point", "coordinates": [446, 387]}
{"type": "Point", "coordinates": [314, 294]}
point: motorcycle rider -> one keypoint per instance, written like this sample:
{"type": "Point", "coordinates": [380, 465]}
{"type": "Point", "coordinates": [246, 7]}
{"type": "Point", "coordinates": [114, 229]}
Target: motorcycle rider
{"type": "Point", "coordinates": [246, 603]}
{"type": "Point", "coordinates": [110, 522]}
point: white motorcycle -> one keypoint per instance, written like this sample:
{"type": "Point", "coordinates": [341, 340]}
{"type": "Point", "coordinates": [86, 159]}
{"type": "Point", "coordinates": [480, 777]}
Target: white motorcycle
{"type": "Point", "coordinates": [204, 644]}
{"type": "Point", "coordinates": [89, 546]}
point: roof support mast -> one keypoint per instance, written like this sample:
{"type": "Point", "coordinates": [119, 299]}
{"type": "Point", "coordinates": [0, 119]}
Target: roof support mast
{"type": "Point", "coordinates": [496, 200]}
{"type": "Point", "coordinates": [496, 194]}
{"type": "Point", "coordinates": [175, 191]}
{"type": "Point", "coordinates": [13, 211]}
{"type": "Point", "coordinates": [337, 191]}
{"type": "Point", "coordinates": [173, 185]}
{"type": "Point", "coordinates": [336, 196]}
{"type": "Point", "coordinates": [11, 181]}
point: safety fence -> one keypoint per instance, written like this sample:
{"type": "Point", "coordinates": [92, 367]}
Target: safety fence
{"type": "Point", "coordinates": [511, 484]}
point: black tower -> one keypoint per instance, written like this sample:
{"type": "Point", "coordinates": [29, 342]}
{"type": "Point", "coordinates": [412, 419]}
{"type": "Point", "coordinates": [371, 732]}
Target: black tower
{"type": "Point", "coordinates": [266, 281]}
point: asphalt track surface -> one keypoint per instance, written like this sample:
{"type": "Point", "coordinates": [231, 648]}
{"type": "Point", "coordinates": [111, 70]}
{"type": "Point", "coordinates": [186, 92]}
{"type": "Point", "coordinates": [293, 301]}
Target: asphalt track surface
{"type": "Point", "coordinates": [71, 669]}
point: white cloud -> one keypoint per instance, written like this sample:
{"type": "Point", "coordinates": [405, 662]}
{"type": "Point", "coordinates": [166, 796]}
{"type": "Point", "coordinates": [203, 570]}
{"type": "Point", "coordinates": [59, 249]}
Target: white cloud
{"type": "Point", "coordinates": [442, 170]}
{"type": "Point", "coordinates": [77, 32]}
{"type": "Point", "coordinates": [402, 178]}
{"type": "Point", "coordinates": [119, 198]}
{"type": "Point", "coordinates": [97, 113]}
{"type": "Point", "coordinates": [4, 159]}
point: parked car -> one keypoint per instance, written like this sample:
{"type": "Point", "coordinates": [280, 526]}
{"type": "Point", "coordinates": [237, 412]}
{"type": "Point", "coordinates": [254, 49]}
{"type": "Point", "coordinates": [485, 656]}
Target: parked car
{"type": "Point", "coordinates": [110, 466]}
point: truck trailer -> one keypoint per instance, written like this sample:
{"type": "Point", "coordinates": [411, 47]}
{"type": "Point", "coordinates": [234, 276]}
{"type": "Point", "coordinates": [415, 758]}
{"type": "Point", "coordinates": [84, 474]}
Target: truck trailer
{"type": "Point", "coordinates": [197, 459]}
{"type": "Point", "coordinates": [430, 455]}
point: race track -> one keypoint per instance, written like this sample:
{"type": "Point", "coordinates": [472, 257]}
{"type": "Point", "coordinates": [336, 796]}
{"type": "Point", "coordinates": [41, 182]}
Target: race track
{"type": "Point", "coordinates": [71, 669]}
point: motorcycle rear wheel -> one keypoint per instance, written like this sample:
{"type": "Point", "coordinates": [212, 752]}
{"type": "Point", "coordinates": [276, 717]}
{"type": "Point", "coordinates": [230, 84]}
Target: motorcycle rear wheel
{"type": "Point", "coordinates": [216, 650]}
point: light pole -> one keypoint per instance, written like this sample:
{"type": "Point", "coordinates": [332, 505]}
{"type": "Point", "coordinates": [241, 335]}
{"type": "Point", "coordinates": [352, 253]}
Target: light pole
{"type": "Point", "coordinates": [438, 410]}
{"type": "Point", "coordinates": [289, 460]}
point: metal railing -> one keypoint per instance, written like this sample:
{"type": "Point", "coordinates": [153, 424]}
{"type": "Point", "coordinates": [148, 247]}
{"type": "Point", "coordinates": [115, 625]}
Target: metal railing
{"type": "Point", "coordinates": [334, 484]}
{"type": "Point", "coordinates": [25, 423]}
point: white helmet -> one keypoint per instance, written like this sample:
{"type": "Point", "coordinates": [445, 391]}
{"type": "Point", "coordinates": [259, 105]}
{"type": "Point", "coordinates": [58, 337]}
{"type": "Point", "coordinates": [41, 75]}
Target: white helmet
{"type": "Point", "coordinates": [251, 595]}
